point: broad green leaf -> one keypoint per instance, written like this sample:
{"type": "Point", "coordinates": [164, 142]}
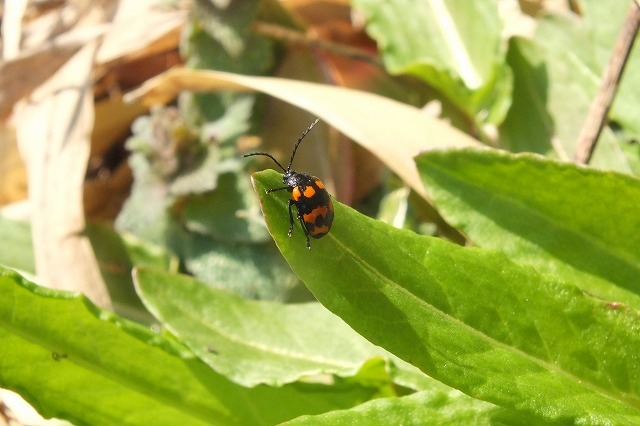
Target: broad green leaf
{"type": "Point", "coordinates": [456, 47]}
{"type": "Point", "coordinates": [73, 361]}
{"type": "Point", "coordinates": [393, 131]}
{"type": "Point", "coordinates": [469, 317]}
{"type": "Point", "coordinates": [573, 222]}
{"type": "Point", "coordinates": [423, 408]}
{"type": "Point", "coordinates": [255, 342]}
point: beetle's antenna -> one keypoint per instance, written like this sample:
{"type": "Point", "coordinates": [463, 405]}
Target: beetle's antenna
{"type": "Point", "coordinates": [295, 148]}
{"type": "Point", "coordinates": [266, 155]}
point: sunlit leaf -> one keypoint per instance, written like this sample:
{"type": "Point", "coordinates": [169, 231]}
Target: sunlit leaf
{"type": "Point", "coordinates": [566, 220]}
{"type": "Point", "coordinates": [471, 318]}
{"type": "Point", "coordinates": [455, 47]}
{"type": "Point", "coordinates": [73, 361]}
{"type": "Point", "coordinates": [255, 342]}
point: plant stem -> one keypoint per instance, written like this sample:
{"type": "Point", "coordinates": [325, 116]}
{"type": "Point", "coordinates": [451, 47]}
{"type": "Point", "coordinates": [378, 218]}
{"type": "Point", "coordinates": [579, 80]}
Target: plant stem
{"type": "Point", "coordinates": [295, 37]}
{"type": "Point", "coordinates": [610, 80]}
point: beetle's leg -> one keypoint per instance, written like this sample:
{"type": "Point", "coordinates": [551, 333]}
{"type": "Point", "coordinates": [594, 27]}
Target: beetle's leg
{"type": "Point", "coordinates": [269, 191]}
{"type": "Point", "coordinates": [304, 228]}
{"type": "Point", "coordinates": [291, 202]}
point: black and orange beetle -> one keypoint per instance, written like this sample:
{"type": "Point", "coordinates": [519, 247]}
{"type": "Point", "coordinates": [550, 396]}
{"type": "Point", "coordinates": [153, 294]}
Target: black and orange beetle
{"type": "Point", "coordinates": [315, 209]}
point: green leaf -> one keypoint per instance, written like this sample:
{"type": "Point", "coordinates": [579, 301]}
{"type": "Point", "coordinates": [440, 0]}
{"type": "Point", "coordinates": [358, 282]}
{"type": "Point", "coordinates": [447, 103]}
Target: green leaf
{"type": "Point", "coordinates": [570, 221]}
{"type": "Point", "coordinates": [73, 361]}
{"type": "Point", "coordinates": [219, 37]}
{"type": "Point", "coordinates": [217, 213]}
{"type": "Point", "coordinates": [600, 43]}
{"type": "Point", "coordinates": [422, 408]}
{"type": "Point", "coordinates": [255, 342]}
{"type": "Point", "coordinates": [116, 256]}
{"type": "Point", "coordinates": [255, 271]}
{"type": "Point", "coordinates": [394, 206]}
{"type": "Point", "coordinates": [469, 317]}
{"type": "Point", "coordinates": [145, 213]}
{"type": "Point", "coordinates": [455, 47]}
{"type": "Point", "coordinates": [115, 253]}
{"type": "Point", "coordinates": [528, 125]}
{"type": "Point", "coordinates": [574, 51]}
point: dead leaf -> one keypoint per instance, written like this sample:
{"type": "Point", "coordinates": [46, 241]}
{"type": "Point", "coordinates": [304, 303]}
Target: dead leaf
{"type": "Point", "coordinates": [53, 132]}
{"type": "Point", "coordinates": [20, 76]}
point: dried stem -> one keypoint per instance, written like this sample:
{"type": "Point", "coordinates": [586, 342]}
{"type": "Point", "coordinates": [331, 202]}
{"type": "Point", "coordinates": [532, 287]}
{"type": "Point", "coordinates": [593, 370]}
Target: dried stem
{"type": "Point", "coordinates": [610, 80]}
{"type": "Point", "coordinates": [295, 37]}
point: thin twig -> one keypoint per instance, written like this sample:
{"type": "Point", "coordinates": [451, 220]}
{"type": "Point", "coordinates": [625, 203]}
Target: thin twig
{"type": "Point", "coordinates": [610, 80]}
{"type": "Point", "coordinates": [295, 37]}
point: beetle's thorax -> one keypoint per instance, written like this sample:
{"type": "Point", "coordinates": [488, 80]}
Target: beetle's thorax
{"type": "Point", "coordinates": [293, 179]}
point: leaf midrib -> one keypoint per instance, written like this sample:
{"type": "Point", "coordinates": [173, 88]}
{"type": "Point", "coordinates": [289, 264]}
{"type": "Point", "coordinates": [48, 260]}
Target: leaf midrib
{"type": "Point", "coordinates": [617, 396]}
{"type": "Point", "coordinates": [235, 338]}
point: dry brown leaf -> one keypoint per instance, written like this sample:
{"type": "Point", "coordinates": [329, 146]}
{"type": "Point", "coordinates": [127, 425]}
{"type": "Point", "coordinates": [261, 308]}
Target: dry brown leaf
{"type": "Point", "coordinates": [13, 179]}
{"type": "Point", "coordinates": [105, 193]}
{"type": "Point", "coordinates": [20, 76]}
{"type": "Point", "coordinates": [127, 38]}
{"type": "Point", "coordinates": [130, 37]}
{"type": "Point", "coordinates": [393, 131]}
{"type": "Point", "coordinates": [53, 130]}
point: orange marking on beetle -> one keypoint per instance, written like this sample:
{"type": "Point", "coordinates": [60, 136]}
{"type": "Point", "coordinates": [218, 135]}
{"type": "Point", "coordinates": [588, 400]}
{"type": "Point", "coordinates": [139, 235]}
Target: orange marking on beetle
{"type": "Point", "coordinates": [315, 221]}
{"type": "Point", "coordinates": [295, 193]}
{"type": "Point", "coordinates": [319, 183]}
{"type": "Point", "coordinates": [312, 216]}
{"type": "Point", "coordinates": [319, 231]}
{"type": "Point", "coordinates": [309, 191]}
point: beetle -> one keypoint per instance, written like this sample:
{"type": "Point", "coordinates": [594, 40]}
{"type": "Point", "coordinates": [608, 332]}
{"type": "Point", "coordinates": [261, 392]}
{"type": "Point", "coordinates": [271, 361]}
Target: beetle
{"type": "Point", "coordinates": [308, 195]}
